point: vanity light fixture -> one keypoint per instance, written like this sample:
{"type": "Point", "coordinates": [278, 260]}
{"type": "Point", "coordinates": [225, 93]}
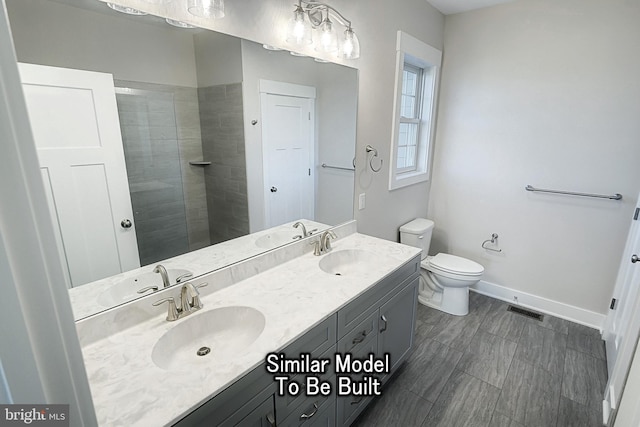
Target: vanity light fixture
{"type": "Point", "coordinates": [179, 24]}
{"type": "Point", "coordinates": [310, 15]}
{"type": "Point", "coordinates": [270, 47]}
{"type": "Point", "coordinates": [206, 8]}
{"type": "Point", "coordinates": [126, 9]}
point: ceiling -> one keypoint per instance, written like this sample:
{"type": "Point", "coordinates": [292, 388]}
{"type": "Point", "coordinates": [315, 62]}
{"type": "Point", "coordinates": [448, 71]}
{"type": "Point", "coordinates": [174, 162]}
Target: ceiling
{"type": "Point", "coordinates": [449, 7]}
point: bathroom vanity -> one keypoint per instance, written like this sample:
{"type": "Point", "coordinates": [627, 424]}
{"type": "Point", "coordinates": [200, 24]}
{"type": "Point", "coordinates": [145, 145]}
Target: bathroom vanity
{"type": "Point", "coordinates": [357, 299]}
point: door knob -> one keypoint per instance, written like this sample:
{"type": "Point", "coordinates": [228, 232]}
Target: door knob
{"type": "Point", "coordinates": [125, 223]}
{"type": "Point", "coordinates": [634, 258]}
{"type": "Point", "coordinates": [274, 189]}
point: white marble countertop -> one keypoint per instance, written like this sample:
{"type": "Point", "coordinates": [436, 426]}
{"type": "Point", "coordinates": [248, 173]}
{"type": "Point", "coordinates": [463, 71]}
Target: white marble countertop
{"type": "Point", "coordinates": [129, 389]}
{"type": "Point", "coordinates": [86, 299]}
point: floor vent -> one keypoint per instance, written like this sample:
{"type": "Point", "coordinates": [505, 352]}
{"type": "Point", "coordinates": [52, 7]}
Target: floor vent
{"type": "Point", "coordinates": [525, 312]}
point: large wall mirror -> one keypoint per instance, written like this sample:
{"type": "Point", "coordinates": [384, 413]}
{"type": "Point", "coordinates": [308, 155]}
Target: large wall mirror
{"type": "Point", "coordinates": [209, 128]}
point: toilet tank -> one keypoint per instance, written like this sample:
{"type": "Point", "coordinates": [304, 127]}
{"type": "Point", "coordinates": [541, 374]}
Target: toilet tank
{"type": "Point", "coordinates": [417, 233]}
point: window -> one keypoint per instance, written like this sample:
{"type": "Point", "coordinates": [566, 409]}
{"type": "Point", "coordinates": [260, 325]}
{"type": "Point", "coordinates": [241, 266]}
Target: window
{"type": "Point", "coordinates": [411, 103]}
{"type": "Point", "coordinates": [416, 74]}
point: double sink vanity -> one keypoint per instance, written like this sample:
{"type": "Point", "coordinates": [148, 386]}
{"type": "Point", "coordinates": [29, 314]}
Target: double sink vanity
{"type": "Point", "coordinates": [202, 361]}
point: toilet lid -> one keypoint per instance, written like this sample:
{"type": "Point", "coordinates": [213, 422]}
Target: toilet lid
{"type": "Point", "coordinates": [456, 264]}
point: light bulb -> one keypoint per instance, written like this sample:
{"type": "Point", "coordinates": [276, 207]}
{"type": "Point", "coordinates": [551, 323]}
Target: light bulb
{"type": "Point", "coordinates": [350, 48]}
{"type": "Point", "coordinates": [126, 9]}
{"type": "Point", "coordinates": [206, 8]}
{"type": "Point", "coordinates": [299, 30]}
{"type": "Point", "coordinates": [179, 24]}
{"type": "Point", "coordinates": [328, 40]}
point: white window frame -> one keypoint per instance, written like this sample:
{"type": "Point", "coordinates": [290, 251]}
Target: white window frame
{"type": "Point", "coordinates": [418, 54]}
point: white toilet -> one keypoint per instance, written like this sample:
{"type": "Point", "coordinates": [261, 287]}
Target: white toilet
{"type": "Point", "coordinates": [445, 279]}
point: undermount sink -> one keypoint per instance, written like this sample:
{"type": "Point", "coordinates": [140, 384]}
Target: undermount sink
{"type": "Point", "coordinates": [347, 262]}
{"type": "Point", "coordinates": [127, 289]}
{"type": "Point", "coordinates": [277, 238]}
{"type": "Point", "coordinates": [205, 337]}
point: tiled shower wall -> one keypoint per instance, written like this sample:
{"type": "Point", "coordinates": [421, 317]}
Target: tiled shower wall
{"type": "Point", "coordinates": [161, 132]}
{"type": "Point", "coordinates": [223, 145]}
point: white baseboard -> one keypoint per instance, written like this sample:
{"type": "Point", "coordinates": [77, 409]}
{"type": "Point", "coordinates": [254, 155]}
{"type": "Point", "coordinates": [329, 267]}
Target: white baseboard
{"type": "Point", "coordinates": [544, 305]}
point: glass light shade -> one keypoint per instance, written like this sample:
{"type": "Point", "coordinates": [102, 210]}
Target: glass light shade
{"type": "Point", "coordinates": [179, 24]}
{"type": "Point", "coordinates": [299, 29]}
{"type": "Point", "coordinates": [206, 8]}
{"type": "Point", "coordinates": [350, 48]}
{"type": "Point", "coordinates": [127, 10]}
{"type": "Point", "coordinates": [328, 40]}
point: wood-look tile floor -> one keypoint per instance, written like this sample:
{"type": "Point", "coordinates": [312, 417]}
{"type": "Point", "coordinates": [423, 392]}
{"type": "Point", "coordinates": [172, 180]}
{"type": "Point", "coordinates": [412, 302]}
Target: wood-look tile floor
{"type": "Point", "coordinates": [495, 368]}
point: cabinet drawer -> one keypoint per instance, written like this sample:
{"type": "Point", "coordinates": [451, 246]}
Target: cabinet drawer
{"type": "Point", "coordinates": [356, 311]}
{"type": "Point", "coordinates": [356, 338]}
{"type": "Point", "coordinates": [288, 404]}
{"type": "Point", "coordinates": [316, 341]}
{"type": "Point", "coordinates": [309, 411]}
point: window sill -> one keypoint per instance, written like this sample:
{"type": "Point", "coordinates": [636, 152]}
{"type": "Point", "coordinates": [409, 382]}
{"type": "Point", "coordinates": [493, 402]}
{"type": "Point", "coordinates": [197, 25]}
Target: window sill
{"type": "Point", "coordinates": [406, 179]}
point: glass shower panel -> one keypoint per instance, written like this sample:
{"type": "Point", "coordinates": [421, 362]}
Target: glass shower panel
{"type": "Point", "coordinates": [150, 138]}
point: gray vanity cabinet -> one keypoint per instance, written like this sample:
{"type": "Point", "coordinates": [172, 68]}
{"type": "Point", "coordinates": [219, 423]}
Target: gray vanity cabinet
{"type": "Point", "coordinates": [379, 321]}
{"type": "Point", "coordinates": [397, 324]}
{"type": "Point", "coordinates": [247, 402]}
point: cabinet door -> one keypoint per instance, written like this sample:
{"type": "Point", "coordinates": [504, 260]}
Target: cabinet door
{"type": "Point", "coordinates": [396, 324]}
{"type": "Point", "coordinates": [261, 416]}
{"type": "Point", "coordinates": [349, 407]}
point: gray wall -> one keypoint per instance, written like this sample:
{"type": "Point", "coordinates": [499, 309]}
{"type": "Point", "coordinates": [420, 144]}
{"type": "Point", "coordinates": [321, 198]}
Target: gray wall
{"type": "Point", "coordinates": [158, 140]}
{"type": "Point", "coordinates": [59, 35]}
{"type": "Point", "coordinates": [223, 145]}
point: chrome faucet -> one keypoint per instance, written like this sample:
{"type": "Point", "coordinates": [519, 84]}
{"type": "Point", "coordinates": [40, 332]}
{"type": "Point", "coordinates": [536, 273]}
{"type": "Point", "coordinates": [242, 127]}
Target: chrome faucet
{"type": "Point", "coordinates": [305, 233]}
{"type": "Point", "coordinates": [189, 302]}
{"type": "Point", "coordinates": [323, 244]}
{"type": "Point", "coordinates": [163, 273]}
{"type": "Point", "coordinates": [304, 230]}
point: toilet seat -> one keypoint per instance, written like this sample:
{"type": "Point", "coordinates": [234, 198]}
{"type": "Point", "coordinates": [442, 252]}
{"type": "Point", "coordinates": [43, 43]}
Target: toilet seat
{"type": "Point", "coordinates": [447, 264]}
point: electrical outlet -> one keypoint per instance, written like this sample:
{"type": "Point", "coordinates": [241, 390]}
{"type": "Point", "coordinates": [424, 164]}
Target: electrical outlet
{"type": "Point", "coordinates": [361, 201]}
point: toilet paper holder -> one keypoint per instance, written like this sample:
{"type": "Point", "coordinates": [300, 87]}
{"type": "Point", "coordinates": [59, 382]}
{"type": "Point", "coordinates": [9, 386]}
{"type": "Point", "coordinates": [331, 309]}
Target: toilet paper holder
{"type": "Point", "coordinates": [493, 239]}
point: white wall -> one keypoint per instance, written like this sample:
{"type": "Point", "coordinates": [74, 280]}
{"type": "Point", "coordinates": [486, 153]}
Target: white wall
{"type": "Point", "coordinates": [376, 22]}
{"type": "Point", "coordinates": [58, 35]}
{"type": "Point", "coordinates": [542, 93]}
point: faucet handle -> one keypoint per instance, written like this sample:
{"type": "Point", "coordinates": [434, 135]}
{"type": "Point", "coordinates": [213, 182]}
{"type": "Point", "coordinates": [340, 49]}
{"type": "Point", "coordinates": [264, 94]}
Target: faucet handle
{"type": "Point", "coordinates": [195, 299]}
{"type": "Point", "coordinates": [184, 277]}
{"type": "Point", "coordinates": [172, 314]}
{"type": "Point", "coordinates": [148, 288]}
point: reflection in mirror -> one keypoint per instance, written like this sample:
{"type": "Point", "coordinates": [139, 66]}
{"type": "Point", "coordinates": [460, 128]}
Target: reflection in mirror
{"type": "Point", "coordinates": [219, 138]}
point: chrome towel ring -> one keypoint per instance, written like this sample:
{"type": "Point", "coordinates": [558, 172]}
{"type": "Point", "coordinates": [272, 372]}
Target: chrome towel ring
{"type": "Point", "coordinates": [370, 149]}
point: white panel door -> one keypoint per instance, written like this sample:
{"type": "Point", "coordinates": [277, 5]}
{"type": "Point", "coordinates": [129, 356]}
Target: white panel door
{"type": "Point", "coordinates": [623, 321]}
{"type": "Point", "coordinates": [74, 118]}
{"type": "Point", "coordinates": [288, 135]}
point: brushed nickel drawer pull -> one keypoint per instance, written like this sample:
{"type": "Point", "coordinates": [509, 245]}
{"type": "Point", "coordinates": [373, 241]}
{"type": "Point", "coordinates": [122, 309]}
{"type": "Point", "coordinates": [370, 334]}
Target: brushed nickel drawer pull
{"type": "Point", "coordinates": [360, 338]}
{"type": "Point", "coordinates": [315, 409]}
